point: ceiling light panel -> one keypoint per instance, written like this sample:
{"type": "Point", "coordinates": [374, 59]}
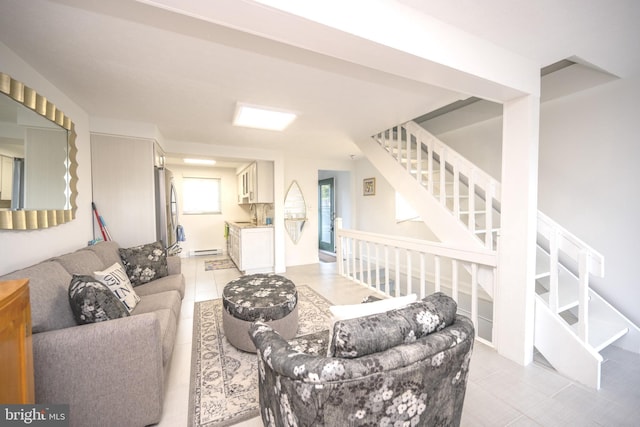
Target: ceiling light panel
{"type": "Point", "coordinates": [200, 162]}
{"type": "Point", "coordinates": [259, 117]}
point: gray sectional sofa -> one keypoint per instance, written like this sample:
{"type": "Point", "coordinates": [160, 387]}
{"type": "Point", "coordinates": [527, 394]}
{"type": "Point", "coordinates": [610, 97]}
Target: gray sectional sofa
{"type": "Point", "coordinates": [111, 373]}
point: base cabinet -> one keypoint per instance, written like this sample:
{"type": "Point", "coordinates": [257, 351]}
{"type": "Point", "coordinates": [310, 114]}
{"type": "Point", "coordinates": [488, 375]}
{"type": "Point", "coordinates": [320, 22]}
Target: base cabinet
{"type": "Point", "coordinates": [251, 248]}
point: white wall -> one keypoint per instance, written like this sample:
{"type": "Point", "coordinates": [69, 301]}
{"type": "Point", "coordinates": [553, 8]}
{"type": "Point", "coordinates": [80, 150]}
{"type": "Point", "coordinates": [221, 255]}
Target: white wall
{"type": "Point", "coordinates": [305, 171]}
{"type": "Point", "coordinates": [588, 175]}
{"type": "Point", "coordinates": [481, 142]}
{"type": "Point", "coordinates": [207, 231]}
{"type": "Point", "coordinates": [376, 213]}
{"type": "Point", "coordinates": [590, 180]}
{"type": "Point", "coordinates": [21, 248]}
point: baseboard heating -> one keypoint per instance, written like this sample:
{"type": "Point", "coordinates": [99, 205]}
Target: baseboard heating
{"type": "Point", "coordinates": [200, 252]}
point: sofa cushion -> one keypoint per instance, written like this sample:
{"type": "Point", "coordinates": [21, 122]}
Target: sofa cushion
{"type": "Point", "coordinates": [378, 332]}
{"type": "Point", "coordinates": [117, 281]}
{"type": "Point", "coordinates": [81, 262]}
{"type": "Point", "coordinates": [108, 252]}
{"type": "Point", "coordinates": [48, 291]}
{"type": "Point", "coordinates": [154, 302]}
{"type": "Point", "coordinates": [145, 263]}
{"type": "Point", "coordinates": [92, 301]}
{"type": "Point", "coordinates": [173, 282]}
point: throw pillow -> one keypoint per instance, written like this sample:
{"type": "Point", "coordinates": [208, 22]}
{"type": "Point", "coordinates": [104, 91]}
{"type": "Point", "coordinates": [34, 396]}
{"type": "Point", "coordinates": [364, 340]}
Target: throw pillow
{"type": "Point", "coordinates": [91, 301]}
{"type": "Point", "coordinates": [361, 336]}
{"type": "Point", "coordinates": [145, 263]}
{"type": "Point", "coordinates": [344, 312]}
{"type": "Point", "coordinates": [116, 279]}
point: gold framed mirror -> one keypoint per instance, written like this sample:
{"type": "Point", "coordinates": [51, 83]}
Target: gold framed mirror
{"type": "Point", "coordinates": [50, 177]}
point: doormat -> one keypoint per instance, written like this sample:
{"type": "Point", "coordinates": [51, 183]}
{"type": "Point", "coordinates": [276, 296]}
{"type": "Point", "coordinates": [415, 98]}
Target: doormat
{"type": "Point", "coordinates": [218, 264]}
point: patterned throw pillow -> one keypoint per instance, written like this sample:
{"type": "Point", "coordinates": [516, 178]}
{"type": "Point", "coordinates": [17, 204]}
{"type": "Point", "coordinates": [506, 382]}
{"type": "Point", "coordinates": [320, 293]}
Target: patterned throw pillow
{"type": "Point", "coordinates": [352, 311]}
{"type": "Point", "coordinates": [361, 336]}
{"type": "Point", "coordinates": [116, 279]}
{"type": "Point", "coordinates": [145, 263]}
{"type": "Point", "coordinates": [92, 301]}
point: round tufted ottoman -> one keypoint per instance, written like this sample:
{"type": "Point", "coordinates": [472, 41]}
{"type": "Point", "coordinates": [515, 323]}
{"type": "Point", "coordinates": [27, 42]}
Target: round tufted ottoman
{"type": "Point", "coordinates": [270, 298]}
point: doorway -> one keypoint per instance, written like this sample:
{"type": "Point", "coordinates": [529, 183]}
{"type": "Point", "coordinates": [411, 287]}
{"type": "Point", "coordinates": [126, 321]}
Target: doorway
{"type": "Point", "coordinates": [326, 214]}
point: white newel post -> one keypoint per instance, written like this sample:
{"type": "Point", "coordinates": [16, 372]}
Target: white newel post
{"type": "Point", "coordinates": [337, 223]}
{"type": "Point", "coordinates": [515, 293]}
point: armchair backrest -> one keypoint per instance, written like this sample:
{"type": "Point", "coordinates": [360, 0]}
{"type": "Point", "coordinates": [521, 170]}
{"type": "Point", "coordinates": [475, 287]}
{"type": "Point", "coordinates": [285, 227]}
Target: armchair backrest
{"type": "Point", "coordinates": [420, 380]}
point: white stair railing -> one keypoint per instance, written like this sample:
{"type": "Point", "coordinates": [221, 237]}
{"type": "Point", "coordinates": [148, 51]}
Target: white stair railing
{"type": "Point", "coordinates": [473, 197]}
{"type": "Point", "coordinates": [448, 176]}
{"type": "Point", "coordinates": [395, 266]}
{"type": "Point", "coordinates": [565, 249]}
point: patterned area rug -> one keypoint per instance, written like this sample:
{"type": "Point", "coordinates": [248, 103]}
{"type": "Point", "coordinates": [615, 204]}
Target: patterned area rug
{"type": "Point", "coordinates": [224, 381]}
{"type": "Point", "coordinates": [218, 264]}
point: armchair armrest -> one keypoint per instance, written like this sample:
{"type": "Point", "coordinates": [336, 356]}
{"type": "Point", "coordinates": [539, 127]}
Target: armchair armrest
{"type": "Point", "coordinates": [110, 373]}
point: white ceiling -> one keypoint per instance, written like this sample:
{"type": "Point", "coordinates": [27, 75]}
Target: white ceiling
{"type": "Point", "coordinates": [129, 60]}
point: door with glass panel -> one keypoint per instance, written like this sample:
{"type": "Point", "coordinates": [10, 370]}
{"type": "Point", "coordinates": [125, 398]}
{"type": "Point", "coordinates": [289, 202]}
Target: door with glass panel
{"type": "Point", "coordinates": [326, 205]}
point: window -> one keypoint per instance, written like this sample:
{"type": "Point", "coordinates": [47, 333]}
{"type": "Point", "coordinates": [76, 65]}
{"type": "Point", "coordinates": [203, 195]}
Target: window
{"type": "Point", "coordinates": [201, 195]}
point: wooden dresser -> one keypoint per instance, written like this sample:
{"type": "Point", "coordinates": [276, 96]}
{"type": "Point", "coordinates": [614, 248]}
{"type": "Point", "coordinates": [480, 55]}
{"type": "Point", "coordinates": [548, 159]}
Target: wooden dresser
{"type": "Point", "coordinates": [16, 350]}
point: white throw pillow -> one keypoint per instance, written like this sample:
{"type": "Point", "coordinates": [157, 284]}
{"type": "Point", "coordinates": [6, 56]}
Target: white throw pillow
{"type": "Point", "coordinates": [117, 281]}
{"type": "Point", "coordinates": [344, 312]}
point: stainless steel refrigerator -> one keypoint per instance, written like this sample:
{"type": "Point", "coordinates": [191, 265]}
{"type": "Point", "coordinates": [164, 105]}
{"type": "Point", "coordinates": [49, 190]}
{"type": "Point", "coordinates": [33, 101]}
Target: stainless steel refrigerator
{"type": "Point", "coordinates": [166, 207]}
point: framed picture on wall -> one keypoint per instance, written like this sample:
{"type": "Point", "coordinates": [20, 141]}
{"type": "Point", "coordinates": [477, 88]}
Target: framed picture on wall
{"type": "Point", "coordinates": [369, 186]}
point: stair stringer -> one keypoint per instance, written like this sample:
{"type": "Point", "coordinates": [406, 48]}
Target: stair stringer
{"type": "Point", "coordinates": [446, 227]}
{"type": "Point", "coordinates": [600, 307]}
{"type": "Point", "coordinates": [556, 341]}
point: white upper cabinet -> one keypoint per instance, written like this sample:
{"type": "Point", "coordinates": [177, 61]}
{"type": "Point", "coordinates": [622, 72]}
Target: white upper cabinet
{"type": "Point", "coordinates": [255, 183]}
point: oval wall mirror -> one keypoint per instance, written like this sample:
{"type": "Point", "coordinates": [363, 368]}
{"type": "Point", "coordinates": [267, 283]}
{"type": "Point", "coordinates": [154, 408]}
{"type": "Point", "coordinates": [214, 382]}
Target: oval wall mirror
{"type": "Point", "coordinates": [295, 212]}
{"type": "Point", "coordinates": [38, 169]}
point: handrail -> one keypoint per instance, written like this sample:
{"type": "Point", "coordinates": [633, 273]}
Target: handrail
{"type": "Point", "coordinates": [570, 244]}
{"type": "Point", "coordinates": [362, 256]}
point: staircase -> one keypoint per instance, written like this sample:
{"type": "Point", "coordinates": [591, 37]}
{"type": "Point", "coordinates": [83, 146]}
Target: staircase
{"type": "Point", "coordinates": [461, 205]}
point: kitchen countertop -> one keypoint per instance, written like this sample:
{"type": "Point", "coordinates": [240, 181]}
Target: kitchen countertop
{"type": "Point", "coordinates": [248, 224]}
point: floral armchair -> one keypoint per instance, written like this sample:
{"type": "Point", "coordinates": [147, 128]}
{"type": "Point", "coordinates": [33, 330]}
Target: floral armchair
{"type": "Point", "coordinates": [407, 367]}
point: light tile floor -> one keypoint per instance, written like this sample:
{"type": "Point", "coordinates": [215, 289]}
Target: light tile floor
{"type": "Point", "coordinates": [499, 392]}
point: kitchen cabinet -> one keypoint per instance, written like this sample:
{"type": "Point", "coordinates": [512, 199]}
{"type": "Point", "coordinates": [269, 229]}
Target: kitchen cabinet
{"type": "Point", "coordinates": [255, 183]}
{"type": "Point", "coordinates": [251, 247]}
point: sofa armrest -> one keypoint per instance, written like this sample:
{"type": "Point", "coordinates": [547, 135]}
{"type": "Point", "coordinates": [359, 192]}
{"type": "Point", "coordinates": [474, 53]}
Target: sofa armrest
{"type": "Point", "coordinates": [110, 373]}
{"type": "Point", "coordinates": [174, 264]}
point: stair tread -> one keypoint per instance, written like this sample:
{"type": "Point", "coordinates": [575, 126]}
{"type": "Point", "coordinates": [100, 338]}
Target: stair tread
{"type": "Point", "coordinates": [603, 332]}
{"type": "Point", "coordinates": [484, 230]}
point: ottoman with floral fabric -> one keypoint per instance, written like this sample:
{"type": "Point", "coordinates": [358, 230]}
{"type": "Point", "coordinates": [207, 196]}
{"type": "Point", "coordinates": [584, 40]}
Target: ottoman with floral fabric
{"type": "Point", "coordinates": [269, 298]}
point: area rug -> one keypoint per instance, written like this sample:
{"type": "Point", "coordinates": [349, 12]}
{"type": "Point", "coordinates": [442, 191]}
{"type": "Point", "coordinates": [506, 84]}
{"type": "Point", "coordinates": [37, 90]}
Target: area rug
{"type": "Point", "coordinates": [218, 264]}
{"type": "Point", "coordinates": [224, 380]}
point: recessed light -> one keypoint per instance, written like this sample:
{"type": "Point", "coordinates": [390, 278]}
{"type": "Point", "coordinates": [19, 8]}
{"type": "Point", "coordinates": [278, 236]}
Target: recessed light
{"type": "Point", "coordinates": [200, 162]}
{"type": "Point", "coordinates": [258, 117]}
